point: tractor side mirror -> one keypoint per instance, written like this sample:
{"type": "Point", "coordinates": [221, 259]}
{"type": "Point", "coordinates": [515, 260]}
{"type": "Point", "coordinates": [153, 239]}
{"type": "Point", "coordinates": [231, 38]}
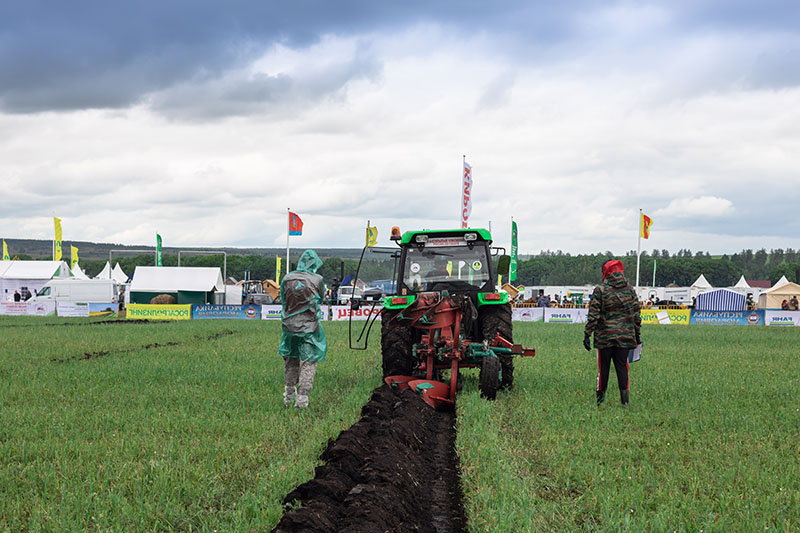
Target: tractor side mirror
{"type": "Point", "coordinates": [503, 265]}
{"type": "Point", "coordinates": [355, 304]}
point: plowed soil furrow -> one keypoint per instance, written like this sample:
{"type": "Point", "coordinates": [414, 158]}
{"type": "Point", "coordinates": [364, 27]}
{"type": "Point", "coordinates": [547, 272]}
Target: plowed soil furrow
{"type": "Point", "coordinates": [394, 470]}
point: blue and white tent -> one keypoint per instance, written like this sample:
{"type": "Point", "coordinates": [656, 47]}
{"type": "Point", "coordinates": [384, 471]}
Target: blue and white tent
{"type": "Point", "coordinates": [720, 300]}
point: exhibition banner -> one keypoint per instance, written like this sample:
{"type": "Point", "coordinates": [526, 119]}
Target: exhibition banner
{"type": "Point", "coordinates": [273, 312]}
{"type": "Point", "coordinates": [215, 312]}
{"type": "Point", "coordinates": [72, 309]}
{"type": "Point", "coordinates": [270, 312]}
{"type": "Point", "coordinates": [728, 318]}
{"type": "Point", "coordinates": [782, 318]}
{"type": "Point", "coordinates": [527, 314]}
{"type": "Point", "coordinates": [343, 312]}
{"type": "Point", "coordinates": [28, 308]}
{"type": "Point", "coordinates": [666, 316]}
{"type": "Point", "coordinates": [159, 312]}
{"type": "Point", "coordinates": [565, 316]}
{"type": "Point", "coordinates": [103, 309]}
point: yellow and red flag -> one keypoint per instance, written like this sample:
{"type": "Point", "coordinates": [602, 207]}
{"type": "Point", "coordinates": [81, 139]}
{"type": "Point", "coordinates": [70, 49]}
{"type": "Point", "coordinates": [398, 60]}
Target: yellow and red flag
{"type": "Point", "coordinates": [5, 252]}
{"type": "Point", "coordinates": [644, 226]}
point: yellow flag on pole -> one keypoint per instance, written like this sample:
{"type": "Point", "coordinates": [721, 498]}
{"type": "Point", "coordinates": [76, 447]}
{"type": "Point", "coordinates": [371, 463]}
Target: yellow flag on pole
{"type": "Point", "coordinates": [57, 248]}
{"type": "Point", "coordinates": [278, 270]}
{"type": "Point", "coordinates": [372, 235]}
{"type": "Point", "coordinates": [5, 252]}
{"type": "Point", "coordinates": [74, 253]}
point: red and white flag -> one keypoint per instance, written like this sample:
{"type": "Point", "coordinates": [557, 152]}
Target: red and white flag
{"type": "Point", "coordinates": [466, 195]}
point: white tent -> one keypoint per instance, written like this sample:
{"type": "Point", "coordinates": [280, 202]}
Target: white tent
{"type": "Point", "coordinates": [187, 284]}
{"type": "Point", "coordinates": [701, 283]}
{"type": "Point", "coordinates": [742, 284]}
{"type": "Point", "coordinates": [700, 286]}
{"type": "Point", "coordinates": [30, 274]}
{"type": "Point", "coordinates": [780, 283]}
{"type": "Point", "coordinates": [105, 273]}
{"type": "Point", "coordinates": [78, 272]}
{"type": "Point", "coordinates": [783, 290]}
{"type": "Point", "coordinates": [118, 275]}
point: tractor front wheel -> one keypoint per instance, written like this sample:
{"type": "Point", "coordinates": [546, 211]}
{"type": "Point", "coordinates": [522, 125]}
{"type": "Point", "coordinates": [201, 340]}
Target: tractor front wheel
{"type": "Point", "coordinates": [396, 345]}
{"type": "Point", "coordinates": [489, 379]}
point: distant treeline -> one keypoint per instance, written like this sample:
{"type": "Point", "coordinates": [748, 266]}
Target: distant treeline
{"type": "Point", "coordinates": [682, 268]}
{"type": "Point", "coordinates": [546, 268]}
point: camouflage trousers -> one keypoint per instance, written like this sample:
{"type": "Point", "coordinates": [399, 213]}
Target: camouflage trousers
{"type": "Point", "coordinates": [298, 377]}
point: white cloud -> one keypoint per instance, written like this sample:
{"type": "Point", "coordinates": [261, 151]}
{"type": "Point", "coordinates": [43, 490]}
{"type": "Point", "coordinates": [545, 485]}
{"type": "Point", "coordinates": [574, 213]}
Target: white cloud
{"type": "Point", "coordinates": [703, 206]}
{"type": "Point", "coordinates": [571, 147]}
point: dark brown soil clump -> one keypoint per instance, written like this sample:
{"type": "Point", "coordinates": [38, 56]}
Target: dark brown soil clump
{"type": "Point", "coordinates": [394, 470]}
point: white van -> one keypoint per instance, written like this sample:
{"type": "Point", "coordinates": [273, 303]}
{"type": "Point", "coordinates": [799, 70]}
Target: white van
{"type": "Point", "coordinates": [78, 290]}
{"type": "Point", "coordinates": [345, 293]}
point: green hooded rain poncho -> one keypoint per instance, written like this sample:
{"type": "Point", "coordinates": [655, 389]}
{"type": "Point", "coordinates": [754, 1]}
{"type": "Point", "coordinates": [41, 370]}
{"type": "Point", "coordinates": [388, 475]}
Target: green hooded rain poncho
{"type": "Point", "coordinates": [302, 291]}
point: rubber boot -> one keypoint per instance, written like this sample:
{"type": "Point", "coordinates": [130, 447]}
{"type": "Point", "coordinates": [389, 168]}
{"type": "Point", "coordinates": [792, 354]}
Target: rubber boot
{"type": "Point", "coordinates": [288, 396]}
{"type": "Point", "coordinates": [601, 394]}
{"type": "Point", "coordinates": [623, 396]}
{"type": "Point", "coordinates": [301, 402]}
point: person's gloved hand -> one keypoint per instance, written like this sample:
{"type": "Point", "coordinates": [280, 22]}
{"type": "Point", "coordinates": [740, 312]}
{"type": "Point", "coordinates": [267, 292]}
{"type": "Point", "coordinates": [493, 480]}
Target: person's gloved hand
{"type": "Point", "coordinates": [587, 343]}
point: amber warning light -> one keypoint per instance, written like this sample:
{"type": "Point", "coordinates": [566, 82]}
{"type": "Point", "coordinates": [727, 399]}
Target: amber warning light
{"type": "Point", "coordinates": [396, 234]}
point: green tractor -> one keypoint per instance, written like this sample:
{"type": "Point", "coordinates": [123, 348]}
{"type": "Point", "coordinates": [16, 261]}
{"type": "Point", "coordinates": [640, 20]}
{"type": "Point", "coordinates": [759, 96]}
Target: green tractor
{"type": "Point", "coordinates": [445, 314]}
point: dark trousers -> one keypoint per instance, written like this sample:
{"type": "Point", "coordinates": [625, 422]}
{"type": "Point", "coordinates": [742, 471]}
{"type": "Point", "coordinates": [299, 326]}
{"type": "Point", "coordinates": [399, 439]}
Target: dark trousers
{"type": "Point", "coordinates": [620, 358]}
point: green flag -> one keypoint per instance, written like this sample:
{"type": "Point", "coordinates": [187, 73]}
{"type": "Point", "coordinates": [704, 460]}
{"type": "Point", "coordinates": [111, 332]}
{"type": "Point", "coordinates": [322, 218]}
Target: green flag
{"type": "Point", "coordinates": [512, 275]}
{"type": "Point", "coordinates": [158, 250]}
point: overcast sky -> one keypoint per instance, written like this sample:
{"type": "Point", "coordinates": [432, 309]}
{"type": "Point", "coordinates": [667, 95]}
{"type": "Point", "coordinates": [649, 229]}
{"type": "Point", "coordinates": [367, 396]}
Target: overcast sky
{"type": "Point", "coordinates": [205, 121]}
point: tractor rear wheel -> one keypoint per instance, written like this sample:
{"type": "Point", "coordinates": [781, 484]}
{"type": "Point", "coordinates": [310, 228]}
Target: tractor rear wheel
{"type": "Point", "coordinates": [396, 345]}
{"type": "Point", "coordinates": [496, 319]}
{"type": "Point", "coordinates": [489, 379]}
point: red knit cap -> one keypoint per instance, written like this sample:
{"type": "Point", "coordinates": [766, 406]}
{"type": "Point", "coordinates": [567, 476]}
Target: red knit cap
{"type": "Point", "coordinates": [612, 265]}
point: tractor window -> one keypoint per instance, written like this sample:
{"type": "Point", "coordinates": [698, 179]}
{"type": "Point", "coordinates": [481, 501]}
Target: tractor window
{"type": "Point", "coordinates": [425, 267]}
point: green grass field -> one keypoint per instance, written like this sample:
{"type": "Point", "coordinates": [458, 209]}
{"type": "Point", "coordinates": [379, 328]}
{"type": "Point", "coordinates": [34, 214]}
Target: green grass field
{"type": "Point", "coordinates": [181, 426]}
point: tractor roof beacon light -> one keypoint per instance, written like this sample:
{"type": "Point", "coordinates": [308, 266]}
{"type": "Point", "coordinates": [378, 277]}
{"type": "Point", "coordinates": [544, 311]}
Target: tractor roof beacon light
{"type": "Point", "coordinates": [396, 236]}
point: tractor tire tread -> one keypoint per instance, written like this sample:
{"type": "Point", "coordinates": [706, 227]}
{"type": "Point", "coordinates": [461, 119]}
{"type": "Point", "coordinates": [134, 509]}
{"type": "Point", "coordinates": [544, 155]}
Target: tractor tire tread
{"type": "Point", "coordinates": [396, 345]}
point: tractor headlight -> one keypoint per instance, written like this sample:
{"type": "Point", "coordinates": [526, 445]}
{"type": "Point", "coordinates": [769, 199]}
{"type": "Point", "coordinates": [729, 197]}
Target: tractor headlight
{"type": "Point", "coordinates": [422, 239]}
{"type": "Point", "coordinates": [470, 237]}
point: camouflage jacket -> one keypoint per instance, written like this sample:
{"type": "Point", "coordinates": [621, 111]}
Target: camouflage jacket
{"type": "Point", "coordinates": [614, 314]}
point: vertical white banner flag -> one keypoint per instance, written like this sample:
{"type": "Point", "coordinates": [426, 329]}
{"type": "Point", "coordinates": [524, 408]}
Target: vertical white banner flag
{"type": "Point", "coordinates": [466, 195]}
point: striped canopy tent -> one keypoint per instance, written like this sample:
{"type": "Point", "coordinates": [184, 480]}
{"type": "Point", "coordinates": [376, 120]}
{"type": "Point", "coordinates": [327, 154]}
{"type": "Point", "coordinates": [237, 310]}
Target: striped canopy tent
{"type": "Point", "coordinates": [720, 300]}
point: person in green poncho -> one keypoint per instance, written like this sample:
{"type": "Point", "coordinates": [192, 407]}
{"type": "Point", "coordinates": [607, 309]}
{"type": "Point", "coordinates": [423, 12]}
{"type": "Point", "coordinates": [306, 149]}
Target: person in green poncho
{"type": "Point", "coordinates": [303, 342]}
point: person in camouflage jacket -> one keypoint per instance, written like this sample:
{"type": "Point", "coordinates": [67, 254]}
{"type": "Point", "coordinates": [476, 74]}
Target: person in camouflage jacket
{"type": "Point", "coordinates": [615, 321]}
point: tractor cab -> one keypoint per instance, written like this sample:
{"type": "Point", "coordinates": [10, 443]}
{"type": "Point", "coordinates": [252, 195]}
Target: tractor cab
{"type": "Point", "coordinates": [458, 261]}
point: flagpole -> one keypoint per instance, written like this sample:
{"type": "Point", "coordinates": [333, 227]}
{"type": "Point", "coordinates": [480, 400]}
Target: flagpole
{"type": "Point", "coordinates": [288, 226]}
{"type": "Point", "coordinates": [654, 272]}
{"type": "Point", "coordinates": [638, 251]}
{"type": "Point", "coordinates": [461, 189]}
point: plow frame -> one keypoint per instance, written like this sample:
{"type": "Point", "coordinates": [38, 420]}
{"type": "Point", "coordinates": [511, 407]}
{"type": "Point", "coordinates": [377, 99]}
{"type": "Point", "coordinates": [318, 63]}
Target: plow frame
{"type": "Point", "coordinates": [442, 347]}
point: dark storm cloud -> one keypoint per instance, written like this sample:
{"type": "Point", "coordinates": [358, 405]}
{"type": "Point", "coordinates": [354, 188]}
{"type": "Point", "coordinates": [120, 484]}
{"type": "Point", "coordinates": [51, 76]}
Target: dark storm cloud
{"type": "Point", "coordinates": [100, 54]}
{"type": "Point", "coordinates": [76, 55]}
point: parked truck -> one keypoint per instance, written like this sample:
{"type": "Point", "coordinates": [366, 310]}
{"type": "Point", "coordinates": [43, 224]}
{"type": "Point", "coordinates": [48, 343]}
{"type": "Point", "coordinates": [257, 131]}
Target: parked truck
{"type": "Point", "coordinates": [78, 291]}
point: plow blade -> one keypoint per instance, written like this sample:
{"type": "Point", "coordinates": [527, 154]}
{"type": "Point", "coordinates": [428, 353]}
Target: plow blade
{"type": "Point", "coordinates": [434, 393]}
{"type": "Point", "coordinates": [398, 382]}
